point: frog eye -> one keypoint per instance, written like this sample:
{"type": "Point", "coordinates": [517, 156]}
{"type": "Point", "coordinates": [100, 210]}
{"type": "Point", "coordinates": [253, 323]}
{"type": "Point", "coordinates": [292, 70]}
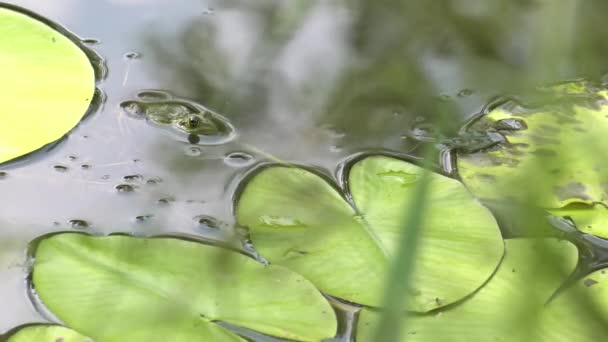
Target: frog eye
{"type": "Point", "coordinates": [193, 121]}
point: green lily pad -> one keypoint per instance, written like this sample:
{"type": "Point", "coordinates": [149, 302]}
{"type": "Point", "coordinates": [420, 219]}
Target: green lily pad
{"type": "Point", "coordinates": [120, 288]}
{"type": "Point", "coordinates": [552, 148]}
{"type": "Point", "coordinates": [46, 87]}
{"type": "Point", "coordinates": [511, 306]}
{"type": "Point", "coordinates": [299, 220]}
{"type": "Point", "coordinates": [550, 154]}
{"type": "Point", "coordinates": [591, 219]}
{"type": "Point", "coordinates": [47, 333]}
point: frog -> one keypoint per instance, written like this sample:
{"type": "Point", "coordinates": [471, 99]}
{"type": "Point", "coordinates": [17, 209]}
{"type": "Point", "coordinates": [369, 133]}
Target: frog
{"type": "Point", "coordinates": [187, 118]}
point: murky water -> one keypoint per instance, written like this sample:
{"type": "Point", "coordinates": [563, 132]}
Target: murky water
{"type": "Point", "coordinates": [256, 81]}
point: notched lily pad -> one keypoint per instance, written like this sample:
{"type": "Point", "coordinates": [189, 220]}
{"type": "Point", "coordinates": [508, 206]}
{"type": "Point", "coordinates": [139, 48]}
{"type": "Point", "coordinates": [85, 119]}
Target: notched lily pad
{"type": "Point", "coordinates": [46, 87]}
{"type": "Point", "coordinates": [120, 288]}
{"type": "Point", "coordinates": [511, 306]}
{"type": "Point", "coordinates": [46, 333]}
{"type": "Point", "coordinates": [298, 220]}
{"type": "Point", "coordinates": [552, 152]}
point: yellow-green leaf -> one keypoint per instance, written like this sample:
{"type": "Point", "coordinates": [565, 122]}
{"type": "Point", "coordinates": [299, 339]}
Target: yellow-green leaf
{"type": "Point", "coordinates": [46, 85]}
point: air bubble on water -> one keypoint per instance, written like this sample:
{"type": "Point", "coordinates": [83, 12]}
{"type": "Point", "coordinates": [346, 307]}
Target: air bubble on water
{"type": "Point", "coordinates": [125, 188]}
{"type": "Point", "coordinates": [209, 222]}
{"type": "Point", "coordinates": [154, 181]}
{"type": "Point", "coordinates": [72, 158]}
{"type": "Point", "coordinates": [238, 159]}
{"type": "Point", "coordinates": [465, 93]}
{"type": "Point", "coordinates": [90, 41]}
{"type": "Point", "coordinates": [165, 200]}
{"type": "Point", "coordinates": [132, 55]}
{"type": "Point", "coordinates": [193, 151]}
{"type": "Point", "coordinates": [78, 224]}
{"type": "Point", "coordinates": [105, 177]}
{"type": "Point", "coordinates": [85, 166]}
{"type": "Point", "coordinates": [133, 178]}
{"type": "Point", "coordinates": [143, 218]}
{"type": "Point", "coordinates": [60, 168]}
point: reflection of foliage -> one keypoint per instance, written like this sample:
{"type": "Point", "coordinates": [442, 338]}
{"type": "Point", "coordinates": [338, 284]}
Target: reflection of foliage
{"type": "Point", "coordinates": [399, 55]}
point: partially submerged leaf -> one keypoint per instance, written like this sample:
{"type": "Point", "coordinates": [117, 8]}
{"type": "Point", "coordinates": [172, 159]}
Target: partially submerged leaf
{"type": "Point", "coordinates": [46, 86]}
{"type": "Point", "coordinates": [47, 333]}
{"type": "Point", "coordinates": [120, 288]}
{"type": "Point", "coordinates": [298, 220]}
{"type": "Point", "coordinates": [552, 155]}
{"type": "Point", "coordinates": [510, 307]}
{"type": "Point", "coordinates": [591, 219]}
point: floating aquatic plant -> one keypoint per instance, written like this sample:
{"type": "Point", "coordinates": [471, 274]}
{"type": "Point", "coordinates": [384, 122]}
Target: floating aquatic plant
{"type": "Point", "coordinates": [46, 87]}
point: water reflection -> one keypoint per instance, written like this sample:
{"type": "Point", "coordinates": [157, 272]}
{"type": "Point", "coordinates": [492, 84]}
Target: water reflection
{"type": "Point", "coordinates": [303, 81]}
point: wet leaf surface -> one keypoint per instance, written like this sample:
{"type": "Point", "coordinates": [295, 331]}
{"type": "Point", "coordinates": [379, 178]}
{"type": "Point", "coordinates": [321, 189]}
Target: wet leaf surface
{"type": "Point", "coordinates": [299, 220]}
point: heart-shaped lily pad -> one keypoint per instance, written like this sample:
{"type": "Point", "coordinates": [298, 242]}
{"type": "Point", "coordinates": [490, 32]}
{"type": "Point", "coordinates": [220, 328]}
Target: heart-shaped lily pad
{"type": "Point", "coordinates": [46, 86]}
{"type": "Point", "coordinates": [299, 220]}
{"type": "Point", "coordinates": [120, 288]}
{"type": "Point", "coordinates": [46, 333]}
{"type": "Point", "coordinates": [551, 153]}
{"type": "Point", "coordinates": [511, 306]}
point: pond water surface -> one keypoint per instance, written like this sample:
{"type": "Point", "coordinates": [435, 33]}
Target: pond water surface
{"type": "Point", "coordinates": [297, 80]}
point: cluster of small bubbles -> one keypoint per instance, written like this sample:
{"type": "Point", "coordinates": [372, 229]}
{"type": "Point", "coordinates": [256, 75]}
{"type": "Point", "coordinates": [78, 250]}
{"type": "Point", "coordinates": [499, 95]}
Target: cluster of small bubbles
{"type": "Point", "coordinates": [209, 222]}
{"type": "Point", "coordinates": [465, 92]}
{"type": "Point", "coordinates": [78, 224]}
{"type": "Point", "coordinates": [132, 55]}
{"type": "Point", "coordinates": [238, 159]}
{"type": "Point", "coordinates": [133, 178]}
{"type": "Point", "coordinates": [125, 188]}
{"type": "Point", "coordinates": [193, 151]}
{"type": "Point", "coordinates": [143, 218]}
{"type": "Point", "coordinates": [60, 168]}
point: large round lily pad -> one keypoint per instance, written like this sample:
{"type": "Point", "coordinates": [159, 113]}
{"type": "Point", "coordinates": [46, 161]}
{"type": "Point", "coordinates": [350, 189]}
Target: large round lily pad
{"type": "Point", "coordinates": [299, 220]}
{"type": "Point", "coordinates": [511, 306]}
{"type": "Point", "coordinates": [46, 86]}
{"type": "Point", "coordinates": [46, 333]}
{"type": "Point", "coordinates": [121, 288]}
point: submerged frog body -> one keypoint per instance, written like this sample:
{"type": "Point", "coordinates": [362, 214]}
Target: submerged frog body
{"type": "Point", "coordinates": [184, 117]}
